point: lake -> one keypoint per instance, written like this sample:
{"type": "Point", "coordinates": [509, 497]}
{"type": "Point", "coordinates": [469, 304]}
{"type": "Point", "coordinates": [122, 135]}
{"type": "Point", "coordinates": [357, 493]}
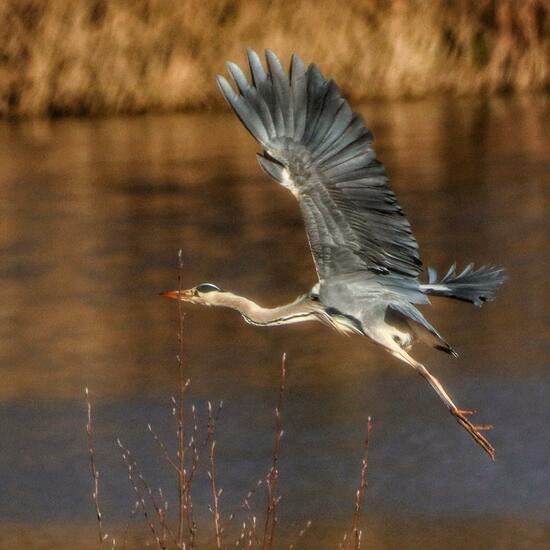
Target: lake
{"type": "Point", "coordinates": [93, 213]}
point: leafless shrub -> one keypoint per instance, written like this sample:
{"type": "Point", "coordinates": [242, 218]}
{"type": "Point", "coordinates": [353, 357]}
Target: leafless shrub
{"type": "Point", "coordinates": [185, 463]}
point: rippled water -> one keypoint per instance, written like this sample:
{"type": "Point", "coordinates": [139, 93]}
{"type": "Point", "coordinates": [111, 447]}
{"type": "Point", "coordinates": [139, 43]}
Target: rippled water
{"type": "Point", "coordinates": [92, 214]}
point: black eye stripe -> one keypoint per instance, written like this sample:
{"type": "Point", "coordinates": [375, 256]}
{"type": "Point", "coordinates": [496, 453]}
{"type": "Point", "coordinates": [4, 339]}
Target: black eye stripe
{"type": "Point", "coordinates": [208, 287]}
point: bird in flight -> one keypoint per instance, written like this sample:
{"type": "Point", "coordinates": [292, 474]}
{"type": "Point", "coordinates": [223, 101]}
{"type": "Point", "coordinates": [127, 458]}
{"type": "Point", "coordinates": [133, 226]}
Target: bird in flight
{"type": "Point", "coordinates": [367, 259]}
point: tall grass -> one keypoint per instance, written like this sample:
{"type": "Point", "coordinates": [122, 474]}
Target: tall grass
{"type": "Point", "coordinates": [110, 56]}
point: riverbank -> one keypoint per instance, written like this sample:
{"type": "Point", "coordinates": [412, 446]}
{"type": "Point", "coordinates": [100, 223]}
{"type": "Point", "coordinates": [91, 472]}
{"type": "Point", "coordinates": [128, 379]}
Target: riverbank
{"type": "Point", "coordinates": [78, 57]}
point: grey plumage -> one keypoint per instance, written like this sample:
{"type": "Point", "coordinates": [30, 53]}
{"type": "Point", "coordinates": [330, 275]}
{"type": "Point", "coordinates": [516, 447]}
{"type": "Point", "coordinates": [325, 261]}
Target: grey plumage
{"type": "Point", "coordinates": [471, 285]}
{"type": "Point", "coordinates": [306, 127]}
{"type": "Point", "coordinates": [366, 256]}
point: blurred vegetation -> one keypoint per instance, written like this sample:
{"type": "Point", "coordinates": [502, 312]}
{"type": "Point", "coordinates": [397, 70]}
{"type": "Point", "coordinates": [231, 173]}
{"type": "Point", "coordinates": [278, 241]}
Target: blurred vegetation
{"type": "Point", "coordinates": [109, 56]}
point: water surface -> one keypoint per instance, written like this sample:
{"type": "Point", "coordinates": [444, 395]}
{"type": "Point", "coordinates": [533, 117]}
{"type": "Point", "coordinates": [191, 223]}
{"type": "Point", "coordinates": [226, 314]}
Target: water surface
{"type": "Point", "coordinates": [92, 214]}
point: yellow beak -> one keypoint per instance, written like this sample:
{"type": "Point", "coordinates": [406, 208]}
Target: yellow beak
{"type": "Point", "coordinates": [177, 294]}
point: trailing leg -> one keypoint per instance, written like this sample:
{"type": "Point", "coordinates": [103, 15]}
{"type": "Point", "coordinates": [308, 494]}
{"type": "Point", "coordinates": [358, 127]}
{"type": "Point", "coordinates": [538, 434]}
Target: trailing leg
{"type": "Point", "coordinates": [461, 415]}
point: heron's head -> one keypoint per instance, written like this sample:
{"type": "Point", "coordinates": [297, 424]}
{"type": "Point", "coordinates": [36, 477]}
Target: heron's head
{"type": "Point", "coordinates": [205, 294]}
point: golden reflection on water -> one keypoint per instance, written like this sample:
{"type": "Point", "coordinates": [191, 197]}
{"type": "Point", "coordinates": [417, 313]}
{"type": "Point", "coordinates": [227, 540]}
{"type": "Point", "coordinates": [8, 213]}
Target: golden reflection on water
{"type": "Point", "coordinates": [92, 215]}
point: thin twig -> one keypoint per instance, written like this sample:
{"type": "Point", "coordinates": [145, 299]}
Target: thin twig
{"type": "Point", "coordinates": [163, 448]}
{"type": "Point", "coordinates": [250, 519]}
{"type": "Point", "coordinates": [242, 533]}
{"type": "Point", "coordinates": [253, 533]}
{"type": "Point", "coordinates": [159, 506]}
{"type": "Point", "coordinates": [273, 475]}
{"type": "Point", "coordinates": [193, 443]}
{"type": "Point", "coordinates": [95, 473]}
{"type": "Point", "coordinates": [301, 534]}
{"type": "Point", "coordinates": [356, 534]}
{"type": "Point", "coordinates": [212, 475]}
{"type": "Point", "coordinates": [132, 467]}
{"type": "Point", "coordinates": [163, 511]}
{"type": "Point", "coordinates": [184, 502]}
{"type": "Point", "coordinates": [127, 526]}
{"type": "Point", "coordinates": [197, 451]}
{"type": "Point", "coordinates": [185, 477]}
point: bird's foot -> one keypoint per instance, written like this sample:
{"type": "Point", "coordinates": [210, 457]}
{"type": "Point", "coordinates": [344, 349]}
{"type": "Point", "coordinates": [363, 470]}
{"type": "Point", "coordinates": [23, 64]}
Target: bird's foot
{"type": "Point", "coordinates": [466, 412]}
{"type": "Point", "coordinates": [461, 416]}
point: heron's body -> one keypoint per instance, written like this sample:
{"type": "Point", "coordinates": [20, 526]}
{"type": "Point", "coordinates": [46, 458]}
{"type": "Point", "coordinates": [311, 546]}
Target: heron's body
{"type": "Point", "coordinates": [367, 258]}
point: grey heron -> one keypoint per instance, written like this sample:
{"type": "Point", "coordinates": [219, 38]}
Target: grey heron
{"type": "Point", "coordinates": [367, 259]}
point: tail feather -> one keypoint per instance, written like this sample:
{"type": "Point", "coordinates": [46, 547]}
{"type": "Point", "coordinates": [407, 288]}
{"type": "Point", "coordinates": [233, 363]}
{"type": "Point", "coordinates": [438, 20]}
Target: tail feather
{"type": "Point", "coordinates": [471, 285]}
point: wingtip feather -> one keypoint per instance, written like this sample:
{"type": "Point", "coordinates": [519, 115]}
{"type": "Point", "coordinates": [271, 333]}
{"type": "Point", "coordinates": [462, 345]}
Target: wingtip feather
{"type": "Point", "coordinates": [224, 85]}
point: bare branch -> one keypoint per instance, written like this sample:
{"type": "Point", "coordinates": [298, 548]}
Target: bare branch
{"type": "Point", "coordinates": [212, 475]}
{"type": "Point", "coordinates": [163, 448]}
{"type": "Point", "coordinates": [301, 533]}
{"type": "Point", "coordinates": [273, 475]}
{"type": "Point", "coordinates": [95, 474]}
{"type": "Point", "coordinates": [132, 467]}
{"type": "Point", "coordinates": [356, 534]}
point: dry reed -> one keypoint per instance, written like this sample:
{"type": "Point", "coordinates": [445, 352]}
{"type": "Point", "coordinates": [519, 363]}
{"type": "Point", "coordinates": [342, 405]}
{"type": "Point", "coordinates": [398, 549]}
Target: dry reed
{"type": "Point", "coordinates": [97, 56]}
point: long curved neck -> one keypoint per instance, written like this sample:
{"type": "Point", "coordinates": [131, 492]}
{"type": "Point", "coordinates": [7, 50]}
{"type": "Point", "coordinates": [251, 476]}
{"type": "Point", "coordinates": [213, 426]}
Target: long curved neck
{"type": "Point", "coordinates": [302, 309]}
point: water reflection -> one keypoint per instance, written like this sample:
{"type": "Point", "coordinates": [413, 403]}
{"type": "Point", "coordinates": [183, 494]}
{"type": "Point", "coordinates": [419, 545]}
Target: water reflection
{"type": "Point", "coordinates": [92, 213]}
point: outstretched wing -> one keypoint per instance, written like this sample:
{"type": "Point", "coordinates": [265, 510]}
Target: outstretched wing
{"type": "Point", "coordinates": [318, 148]}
